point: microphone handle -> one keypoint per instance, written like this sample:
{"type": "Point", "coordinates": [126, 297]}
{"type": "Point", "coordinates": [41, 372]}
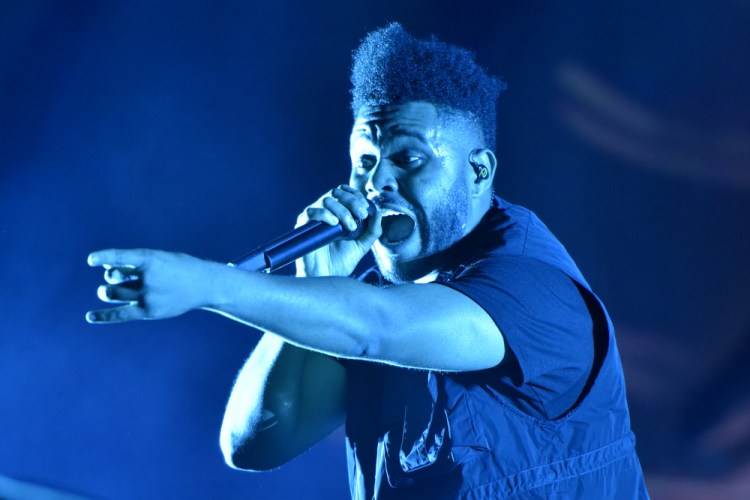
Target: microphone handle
{"type": "Point", "coordinates": [257, 260]}
{"type": "Point", "coordinates": [318, 235]}
{"type": "Point", "coordinates": [288, 247]}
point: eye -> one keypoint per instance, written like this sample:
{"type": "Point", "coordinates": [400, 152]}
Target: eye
{"type": "Point", "coordinates": [408, 160]}
{"type": "Point", "coordinates": [366, 162]}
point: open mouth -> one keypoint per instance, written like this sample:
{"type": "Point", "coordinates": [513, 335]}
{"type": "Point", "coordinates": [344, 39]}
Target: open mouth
{"type": "Point", "coordinates": [397, 227]}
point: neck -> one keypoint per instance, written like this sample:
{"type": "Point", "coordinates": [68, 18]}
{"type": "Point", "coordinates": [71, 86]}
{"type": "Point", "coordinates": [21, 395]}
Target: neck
{"type": "Point", "coordinates": [414, 270]}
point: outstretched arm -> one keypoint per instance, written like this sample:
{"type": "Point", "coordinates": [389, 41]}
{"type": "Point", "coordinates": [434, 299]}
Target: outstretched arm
{"type": "Point", "coordinates": [412, 325]}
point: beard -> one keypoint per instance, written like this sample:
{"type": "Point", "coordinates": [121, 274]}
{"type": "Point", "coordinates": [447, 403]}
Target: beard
{"type": "Point", "coordinates": [439, 229]}
{"type": "Point", "coordinates": [447, 222]}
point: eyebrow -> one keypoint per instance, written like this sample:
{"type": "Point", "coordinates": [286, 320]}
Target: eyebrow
{"type": "Point", "coordinates": [391, 132]}
{"type": "Point", "coordinates": [408, 132]}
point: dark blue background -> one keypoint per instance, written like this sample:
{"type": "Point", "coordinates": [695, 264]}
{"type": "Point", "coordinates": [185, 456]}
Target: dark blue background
{"type": "Point", "coordinates": [206, 127]}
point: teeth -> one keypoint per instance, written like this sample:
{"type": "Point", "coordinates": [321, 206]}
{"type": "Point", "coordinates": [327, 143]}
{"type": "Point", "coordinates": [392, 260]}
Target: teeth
{"type": "Point", "coordinates": [387, 212]}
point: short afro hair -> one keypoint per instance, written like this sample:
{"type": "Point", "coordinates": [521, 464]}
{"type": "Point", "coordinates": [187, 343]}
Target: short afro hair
{"type": "Point", "coordinates": [393, 67]}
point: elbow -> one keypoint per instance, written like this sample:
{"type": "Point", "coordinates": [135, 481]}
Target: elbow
{"type": "Point", "coordinates": [249, 450]}
{"type": "Point", "coordinates": [244, 456]}
{"type": "Point", "coordinates": [237, 449]}
{"type": "Point", "coordinates": [235, 459]}
{"type": "Point", "coordinates": [232, 450]}
{"type": "Point", "coordinates": [369, 346]}
{"type": "Point", "coordinates": [372, 337]}
{"type": "Point", "coordinates": [254, 440]}
{"type": "Point", "coordinates": [240, 460]}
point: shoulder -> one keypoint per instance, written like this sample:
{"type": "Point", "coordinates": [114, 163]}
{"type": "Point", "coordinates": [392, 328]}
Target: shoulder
{"type": "Point", "coordinates": [509, 230]}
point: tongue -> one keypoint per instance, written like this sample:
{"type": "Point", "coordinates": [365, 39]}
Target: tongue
{"type": "Point", "coordinates": [396, 228]}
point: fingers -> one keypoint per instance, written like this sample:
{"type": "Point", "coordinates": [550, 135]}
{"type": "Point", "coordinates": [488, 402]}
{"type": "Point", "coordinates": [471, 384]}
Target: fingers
{"type": "Point", "coordinates": [118, 293]}
{"type": "Point", "coordinates": [352, 199]}
{"type": "Point", "coordinates": [116, 314]}
{"type": "Point", "coordinates": [317, 213]}
{"type": "Point", "coordinates": [116, 257]}
{"type": "Point", "coordinates": [341, 212]}
{"type": "Point", "coordinates": [124, 284]}
{"type": "Point", "coordinates": [358, 205]}
{"type": "Point", "coordinates": [118, 275]}
{"type": "Point", "coordinates": [374, 228]}
{"type": "Point", "coordinates": [342, 205]}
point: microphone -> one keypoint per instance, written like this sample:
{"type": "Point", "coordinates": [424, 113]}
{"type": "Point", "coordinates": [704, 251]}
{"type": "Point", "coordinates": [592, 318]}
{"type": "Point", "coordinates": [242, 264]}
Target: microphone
{"type": "Point", "coordinates": [289, 247]}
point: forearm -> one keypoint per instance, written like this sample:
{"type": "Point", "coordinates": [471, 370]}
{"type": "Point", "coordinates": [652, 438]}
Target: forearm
{"type": "Point", "coordinates": [262, 408]}
{"type": "Point", "coordinates": [322, 314]}
{"type": "Point", "coordinates": [285, 399]}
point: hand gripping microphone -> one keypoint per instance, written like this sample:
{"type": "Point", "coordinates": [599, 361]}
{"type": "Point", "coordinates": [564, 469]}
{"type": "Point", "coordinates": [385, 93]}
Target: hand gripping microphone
{"type": "Point", "coordinates": [298, 242]}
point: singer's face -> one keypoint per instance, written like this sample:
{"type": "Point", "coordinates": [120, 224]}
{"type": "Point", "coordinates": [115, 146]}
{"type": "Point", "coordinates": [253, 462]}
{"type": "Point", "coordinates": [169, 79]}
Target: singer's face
{"type": "Point", "coordinates": [411, 160]}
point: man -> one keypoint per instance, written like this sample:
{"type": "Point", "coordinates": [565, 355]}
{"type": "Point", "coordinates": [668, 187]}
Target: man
{"type": "Point", "coordinates": [473, 362]}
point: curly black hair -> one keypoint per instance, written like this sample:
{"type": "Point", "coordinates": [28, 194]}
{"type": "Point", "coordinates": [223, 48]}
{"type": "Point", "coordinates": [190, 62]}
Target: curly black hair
{"type": "Point", "coordinates": [392, 67]}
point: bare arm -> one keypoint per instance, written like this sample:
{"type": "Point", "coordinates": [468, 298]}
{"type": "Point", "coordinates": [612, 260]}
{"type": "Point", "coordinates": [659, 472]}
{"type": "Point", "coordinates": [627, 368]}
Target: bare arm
{"type": "Point", "coordinates": [424, 326]}
{"type": "Point", "coordinates": [288, 397]}
{"type": "Point", "coordinates": [290, 393]}
{"type": "Point", "coordinates": [285, 399]}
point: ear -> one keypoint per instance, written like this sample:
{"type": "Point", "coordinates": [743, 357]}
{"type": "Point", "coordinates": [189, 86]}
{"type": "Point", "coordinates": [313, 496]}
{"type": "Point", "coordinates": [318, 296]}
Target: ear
{"type": "Point", "coordinates": [484, 164]}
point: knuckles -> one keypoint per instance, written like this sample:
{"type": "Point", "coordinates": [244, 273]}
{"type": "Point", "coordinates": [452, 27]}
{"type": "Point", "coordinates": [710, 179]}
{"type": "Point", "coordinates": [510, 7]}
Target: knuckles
{"type": "Point", "coordinates": [339, 199]}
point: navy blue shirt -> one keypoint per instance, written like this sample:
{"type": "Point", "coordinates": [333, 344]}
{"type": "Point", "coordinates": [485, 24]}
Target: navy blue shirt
{"type": "Point", "coordinates": [549, 421]}
{"type": "Point", "coordinates": [547, 329]}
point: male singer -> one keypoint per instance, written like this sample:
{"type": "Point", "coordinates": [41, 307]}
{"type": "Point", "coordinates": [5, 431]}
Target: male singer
{"type": "Point", "coordinates": [473, 361]}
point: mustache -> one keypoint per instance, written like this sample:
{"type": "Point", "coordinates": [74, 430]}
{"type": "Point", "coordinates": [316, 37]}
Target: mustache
{"type": "Point", "coordinates": [381, 200]}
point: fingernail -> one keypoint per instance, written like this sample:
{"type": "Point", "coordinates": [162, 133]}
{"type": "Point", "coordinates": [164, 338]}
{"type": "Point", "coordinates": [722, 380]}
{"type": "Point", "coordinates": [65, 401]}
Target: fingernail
{"type": "Point", "coordinates": [90, 317]}
{"type": "Point", "coordinates": [92, 260]}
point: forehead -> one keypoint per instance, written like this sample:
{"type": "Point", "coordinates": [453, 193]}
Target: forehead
{"type": "Point", "coordinates": [418, 119]}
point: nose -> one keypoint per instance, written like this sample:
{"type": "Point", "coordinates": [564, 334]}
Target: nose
{"type": "Point", "coordinates": [382, 178]}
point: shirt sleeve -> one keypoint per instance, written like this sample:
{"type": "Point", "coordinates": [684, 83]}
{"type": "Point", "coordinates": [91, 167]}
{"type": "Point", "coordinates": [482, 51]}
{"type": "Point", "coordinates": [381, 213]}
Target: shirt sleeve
{"type": "Point", "coordinates": [545, 323]}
